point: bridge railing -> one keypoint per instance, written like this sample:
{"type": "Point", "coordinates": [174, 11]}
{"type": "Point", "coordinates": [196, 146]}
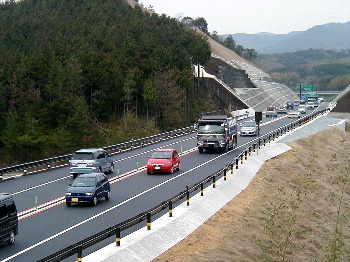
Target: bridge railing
{"type": "Point", "coordinates": [116, 230]}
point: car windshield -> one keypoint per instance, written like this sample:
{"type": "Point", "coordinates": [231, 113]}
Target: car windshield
{"type": "Point", "coordinates": [83, 156]}
{"type": "Point", "coordinates": [161, 155]}
{"type": "Point", "coordinates": [249, 124]}
{"type": "Point", "coordinates": [211, 128]}
{"type": "Point", "coordinates": [270, 108]}
{"type": "Point", "coordinates": [84, 182]}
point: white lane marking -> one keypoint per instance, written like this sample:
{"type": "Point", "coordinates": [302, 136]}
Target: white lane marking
{"type": "Point", "coordinates": [41, 185]}
{"type": "Point", "coordinates": [107, 210]}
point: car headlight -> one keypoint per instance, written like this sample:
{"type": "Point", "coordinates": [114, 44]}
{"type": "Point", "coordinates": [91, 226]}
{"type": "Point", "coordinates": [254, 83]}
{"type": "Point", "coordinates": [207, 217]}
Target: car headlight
{"type": "Point", "coordinates": [168, 163]}
{"type": "Point", "coordinates": [89, 194]}
{"type": "Point", "coordinates": [68, 194]}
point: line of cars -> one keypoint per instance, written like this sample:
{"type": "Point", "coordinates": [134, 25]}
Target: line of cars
{"type": "Point", "coordinates": [293, 109]}
{"type": "Point", "coordinates": [90, 166]}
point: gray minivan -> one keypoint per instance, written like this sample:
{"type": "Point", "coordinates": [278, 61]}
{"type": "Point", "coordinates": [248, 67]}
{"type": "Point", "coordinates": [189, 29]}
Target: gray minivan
{"type": "Point", "coordinates": [91, 160]}
{"type": "Point", "coordinates": [8, 219]}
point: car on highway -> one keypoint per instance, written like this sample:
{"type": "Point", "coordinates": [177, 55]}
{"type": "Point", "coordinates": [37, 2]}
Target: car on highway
{"type": "Point", "coordinates": [302, 109]}
{"type": "Point", "coordinates": [165, 160]}
{"type": "Point", "coordinates": [91, 160]}
{"type": "Point", "coordinates": [310, 105]}
{"type": "Point", "coordinates": [290, 105]}
{"type": "Point", "coordinates": [294, 114]}
{"type": "Point", "coordinates": [282, 109]}
{"type": "Point", "coordinates": [8, 219]}
{"type": "Point", "coordinates": [88, 188]}
{"type": "Point", "coordinates": [249, 128]}
{"type": "Point", "coordinates": [271, 111]}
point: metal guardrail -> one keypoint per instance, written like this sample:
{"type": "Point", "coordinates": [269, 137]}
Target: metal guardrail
{"type": "Point", "coordinates": [59, 161]}
{"type": "Point", "coordinates": [255, 144]}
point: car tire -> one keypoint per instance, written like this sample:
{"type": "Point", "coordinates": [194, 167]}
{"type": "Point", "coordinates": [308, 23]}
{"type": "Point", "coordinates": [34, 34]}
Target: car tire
{"type": "Point", "coordinates": [12, 238]}
{"type": "Point", "coordinates": [68, 204]}
{"type": "Point", "coordinates": [94, 202]}
{"type": "Point", "coordinates": [75, 176]}
{"type": "Point", "coordinates": [107, 197]}
{"type": "Point", "coordinates": [200, 150]}
{"type": "Point", "coordinates": [178, 167]}
{"type": "Point", "coordinates": [112, 169]}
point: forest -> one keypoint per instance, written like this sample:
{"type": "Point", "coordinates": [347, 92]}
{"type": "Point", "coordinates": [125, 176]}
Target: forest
{"type": "Point", "coordinates": [325, 69]}
{"type": "Point", "coordinates": [77, 74]}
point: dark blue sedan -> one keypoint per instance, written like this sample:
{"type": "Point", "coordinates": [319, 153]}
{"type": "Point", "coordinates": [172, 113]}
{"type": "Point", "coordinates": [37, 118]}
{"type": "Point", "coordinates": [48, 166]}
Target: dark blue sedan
{"type": "Point", "coordinates": [88, 188]}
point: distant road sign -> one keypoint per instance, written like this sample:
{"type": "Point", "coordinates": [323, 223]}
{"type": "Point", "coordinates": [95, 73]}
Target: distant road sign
{"type": "Point", "coordinates": [309, 87]}
{"type": "Point", "coordinates": [303, 96]}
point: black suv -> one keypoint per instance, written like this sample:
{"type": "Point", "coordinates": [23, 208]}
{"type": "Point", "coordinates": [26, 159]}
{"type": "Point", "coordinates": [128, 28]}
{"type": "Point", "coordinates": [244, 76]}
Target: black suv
{"type": "Point", "coordinates": [88, 188]}
{"type": "Point", "coordinates": [8, 219]}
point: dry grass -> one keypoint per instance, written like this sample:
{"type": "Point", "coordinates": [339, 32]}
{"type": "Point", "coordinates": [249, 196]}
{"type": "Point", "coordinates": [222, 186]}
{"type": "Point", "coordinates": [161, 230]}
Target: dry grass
{"type": "Point", "coordinates": [295, 209]}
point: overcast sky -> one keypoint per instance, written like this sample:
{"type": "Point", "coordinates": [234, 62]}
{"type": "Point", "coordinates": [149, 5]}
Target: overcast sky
{"type": "Point", "coordinates": [254, 16]}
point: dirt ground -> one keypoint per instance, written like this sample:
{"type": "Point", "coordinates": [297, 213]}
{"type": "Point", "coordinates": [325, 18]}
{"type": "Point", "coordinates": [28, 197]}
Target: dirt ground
{"type": "Point", "coordinates": [295, 209]}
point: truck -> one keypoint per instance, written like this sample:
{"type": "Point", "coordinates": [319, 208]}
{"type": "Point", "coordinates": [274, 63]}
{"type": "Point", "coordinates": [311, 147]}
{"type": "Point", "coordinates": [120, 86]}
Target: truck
{"type": "Point", "coordinates": [216, 132]}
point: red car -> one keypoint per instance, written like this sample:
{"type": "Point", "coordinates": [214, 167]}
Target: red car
{"type": "Point", "coordinates": [163, 161]}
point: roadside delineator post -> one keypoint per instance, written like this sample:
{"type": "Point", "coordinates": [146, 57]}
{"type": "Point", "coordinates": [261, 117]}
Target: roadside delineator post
{"type": "Point", "coordinates": [202, 189]}
{"type": "Point", "coordinates": [80, 254]}
{"type": "Point", "coordinates": [170, 208]}
{"type": "Point", "coordinates": [231, 169]}
{"type": "Point", "coordinates": [225, 173]}
{"type": "Point", "coordinates": [214, 182]}
{"type": "Point", "coordinates": [117, 236]}
{"type": "Point", "coordinates": [236, 163]}
{"type": "Point", "coordinates": [187, 196]}
{"type": "Point", "coordinates": [149, 221]}
{"type": "Point", "coordinates": [245, 155]}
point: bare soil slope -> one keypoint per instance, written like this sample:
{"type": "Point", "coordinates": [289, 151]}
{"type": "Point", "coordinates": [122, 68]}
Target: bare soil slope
{"type": "Point", "coordinates": [295, 209]}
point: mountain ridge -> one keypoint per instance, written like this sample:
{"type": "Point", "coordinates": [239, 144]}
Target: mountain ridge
{"type": "Point", "coordinates": [330, 36]}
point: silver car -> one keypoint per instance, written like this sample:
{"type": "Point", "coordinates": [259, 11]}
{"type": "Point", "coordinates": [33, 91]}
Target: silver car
{"type": "Point", "coordinates": [249, 128]}
{"type": "Point", "coordinates": [91, 160]}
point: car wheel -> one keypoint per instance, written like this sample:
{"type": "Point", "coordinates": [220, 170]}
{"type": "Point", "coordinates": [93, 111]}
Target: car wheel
{"type": "Point", "coordinates": [200, 150]}
{"type": "Point", "coordinates": [12, 238]}
{"type": "Point", "coordinates": [94, 202]}
{"type": "Point", "coordinates": [107, 197]}
{"type": "Point", "coordinates": [68, 204]}
{"type": "Point", "coordinates": [178, 167]}
{"type": "Point", "coordinates": [75, 176]}
{"type": "Point", "coordinates": [112, 168]}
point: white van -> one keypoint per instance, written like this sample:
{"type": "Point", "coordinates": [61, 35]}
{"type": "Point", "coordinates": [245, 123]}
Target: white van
{"type": "Point", "coordinates": [8, 219]}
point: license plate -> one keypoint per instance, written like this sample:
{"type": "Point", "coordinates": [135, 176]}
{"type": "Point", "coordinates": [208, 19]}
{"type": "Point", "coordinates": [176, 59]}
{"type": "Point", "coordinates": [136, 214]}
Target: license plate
{"type": "Point", "coordinates": [75, 199]}
{"type": "Point", "coordinates": [157, 167]}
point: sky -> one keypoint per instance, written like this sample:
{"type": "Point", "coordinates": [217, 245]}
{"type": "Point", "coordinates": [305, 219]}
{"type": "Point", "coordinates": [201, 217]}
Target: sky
{"type": "Point", "coordinates": [255, 16]}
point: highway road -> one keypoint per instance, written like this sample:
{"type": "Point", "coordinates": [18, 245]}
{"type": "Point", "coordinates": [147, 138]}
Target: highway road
{"type": "Point", "coordinates": [47, 225]}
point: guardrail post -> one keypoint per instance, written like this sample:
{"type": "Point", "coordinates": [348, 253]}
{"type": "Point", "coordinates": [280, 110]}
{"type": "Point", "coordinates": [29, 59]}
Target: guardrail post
{"type": "Point", "coordinates": [241, 156]}
{"type": "Point", "coordinates": [187, 196]}
{"type": "Point", "coordinates": [259, 142]}
{"type": "Point", "coordinates": [202, 189]}
{"type": "Point", "coordinates": [80, 254]}
{"type": "Point", "coordinates": [250, 150]}
{"type": "Point", "coordinates": [225, 173]}
{"type": "Point", "coordinates": [214, 183]}
{"type": "Point", "coordinates": [236, 163]}
{"type": "Point", "coordinates": [245, 155]}
{"type": "Point", "coordinates": [170, 208]}
{"type": "Point", "coordinates": [231, 169]}
{"type": "Point", "coordinates": [149, 221]}
{"type": "Point", "coordinates": [117, 236]}
{"type": "Point", "coordinates": [25, 171]}
{"type": "Point", "coordinates": [264, 139]}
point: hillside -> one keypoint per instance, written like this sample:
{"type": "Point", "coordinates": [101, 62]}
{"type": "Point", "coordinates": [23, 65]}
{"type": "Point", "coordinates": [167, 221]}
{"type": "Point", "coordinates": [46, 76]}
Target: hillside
{"type": "Point", "coordinates": [86, 73]}
{"type": "Point", "coordinates": [331, 36]}
{"type": "Point", "coordinates": [295, 209]}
